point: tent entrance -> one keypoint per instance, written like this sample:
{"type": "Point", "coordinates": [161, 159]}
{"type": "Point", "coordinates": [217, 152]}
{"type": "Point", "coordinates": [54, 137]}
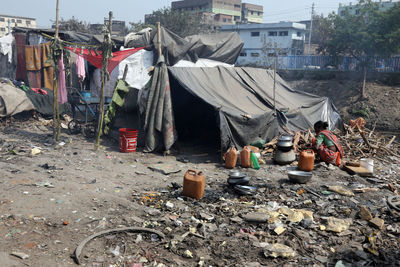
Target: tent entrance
{"type": "Point", "coordinates": [195, 120]}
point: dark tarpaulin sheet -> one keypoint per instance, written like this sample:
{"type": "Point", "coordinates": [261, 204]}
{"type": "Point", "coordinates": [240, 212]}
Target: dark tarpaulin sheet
{"type": "Point", "coordinates": [159, 126]}
{"type": "Point", "coordinates": [224, 47]}
{"type": "Point", "coordinates": [243, 98]}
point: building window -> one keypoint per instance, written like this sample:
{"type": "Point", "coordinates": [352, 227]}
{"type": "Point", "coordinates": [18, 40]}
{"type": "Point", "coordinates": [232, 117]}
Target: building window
{"type": "Point", "coordinates": [255, 54]}
{"type": "Point", "coordinates": [283, 33]}
{"type": "Point", "coordinates": [28, 22]}
{"type": "Point", "coordinates": [357, 12]}
{"type": "Point", "coordinates": [298, 34]}
{"type": "Point", "coordinates": [19, 21]}
{"type": "Point", "coordinates": [259, 13]}
{"type": "Point", "coordinates": [342, 13]}
{"type": "Point", "coordinates": [224, 19]}
{"type": "Point", "coordinates": [237, 6]}
{"type": "Point", "coordinates": [2, 19]}
{"type": "Point", "coordinates": [272, 33]}
{"type": "Point", "coordinates": [237, 18]}
{"type": "Point", "coordinates": [255, 34]}
{"type": "Point", "coordinates": [243, 54]}
{"type": "Point", "coordinates": [3, 29]}
{"type": "Point", "coordinates": [12, 20]}
{"type": "Point", "coordinates": [252, 12]}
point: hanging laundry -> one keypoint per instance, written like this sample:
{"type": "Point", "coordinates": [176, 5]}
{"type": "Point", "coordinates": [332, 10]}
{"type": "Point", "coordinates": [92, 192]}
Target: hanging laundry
{"type": "Point", "coordinates": [62, 89]}
{"type": "Point", "coordinates": [20, 40]}
{"type": "Point", "coordinates": [80, 67]}
{"type": "Point", "coordinates": [33, 65]}
{"type": "Point", "coordinates": [97, 60]}
{"type": "Point", "coordinates": [48, 70]}
{"type": "Point", "coordinates": [6, 46]}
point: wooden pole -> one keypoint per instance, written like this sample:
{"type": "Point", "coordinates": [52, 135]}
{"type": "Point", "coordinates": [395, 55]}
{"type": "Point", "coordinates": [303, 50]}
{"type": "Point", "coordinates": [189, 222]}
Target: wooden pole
{"type": "Point", "coordinates": [274, 86]}
{"type": "Point", "coordinates": [56, 115]}
{"type": "Point", "coordinates": [103, 80]}
{"type": "Point", "coordinates": [159, 38]}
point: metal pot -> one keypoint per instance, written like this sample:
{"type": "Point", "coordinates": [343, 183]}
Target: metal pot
{"type": "Point", "coordinates": [285, 143]}
{"type": "Point", "coordinates": [284, 157]}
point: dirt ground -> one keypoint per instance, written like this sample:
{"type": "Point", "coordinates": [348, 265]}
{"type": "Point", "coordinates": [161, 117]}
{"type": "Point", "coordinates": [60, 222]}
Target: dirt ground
{"type": "Point", "coordinates": [51, 201]}
{"type": "Point", "coordinates": [380, 108]}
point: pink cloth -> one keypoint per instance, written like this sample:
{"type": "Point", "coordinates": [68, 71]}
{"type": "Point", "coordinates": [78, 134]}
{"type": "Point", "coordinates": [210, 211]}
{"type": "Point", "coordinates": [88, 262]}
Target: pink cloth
{"type": "Point", "coordinates": [80, 67]}
{"type": "Point", "coordinates": [62, 89]}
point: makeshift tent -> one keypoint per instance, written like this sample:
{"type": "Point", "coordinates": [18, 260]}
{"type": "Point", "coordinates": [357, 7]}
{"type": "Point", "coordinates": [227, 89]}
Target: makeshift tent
{"type": "Point", "coordinates": [224, 47]}
{"type": "Point", "coordinates": [241, 99]}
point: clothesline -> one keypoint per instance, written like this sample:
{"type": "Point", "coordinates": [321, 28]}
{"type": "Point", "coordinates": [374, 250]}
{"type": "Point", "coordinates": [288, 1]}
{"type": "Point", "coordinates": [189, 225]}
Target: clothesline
{"type": "Point", "coordinates": [70, 43]}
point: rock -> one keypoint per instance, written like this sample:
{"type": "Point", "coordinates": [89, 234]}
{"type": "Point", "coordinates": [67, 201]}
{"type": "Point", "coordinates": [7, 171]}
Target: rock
{"type": "Point", "coordinates": [341, 190]}
{"type": "Point", "coordinates": [236, 219]}
{"type": "Point", "coordinates": [377, 222]}
{"type": "Point", "coordinates": [279, 230]}
{"type": "Point", "coordinates": [307, 214]}
{"type": "Point", "coordinates": [296, 217]}
{"type": "Point", "coordinates": [365, 214]}
{"type": "Point", "coordinates": [256, 217]}
{"type": "Point", "coordinates": [279, 250]}
{"type": "Point", "coordinates": [337, 225]}
{"type": "Point", "coordinates": [339, 264]}
{"type": "Point", "coordinates": [153, 212]}
{"type": "Point", "coordinates": [321, 259]}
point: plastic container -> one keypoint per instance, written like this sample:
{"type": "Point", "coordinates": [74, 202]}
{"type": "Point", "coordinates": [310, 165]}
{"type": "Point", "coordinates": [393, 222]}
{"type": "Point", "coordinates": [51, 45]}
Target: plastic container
{"type": "Point", "coordinates": [306, 161]}
{"type": "Point", "coordinates": [245, 157]}
{"type": "Point", "coordinates": [231, 158]}
{"type": "Point", "coordinates": [254, 161]}
{"type": "Point", "coordinates": [193, 184]}
{"type": "Point", "coordinates": [367, 164]}
{"type": "Point", "coordinates": [127, 140]}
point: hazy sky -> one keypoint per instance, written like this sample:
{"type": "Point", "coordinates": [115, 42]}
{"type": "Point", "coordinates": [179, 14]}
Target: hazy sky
{"type": "Point", "coordinates": [94, 11]}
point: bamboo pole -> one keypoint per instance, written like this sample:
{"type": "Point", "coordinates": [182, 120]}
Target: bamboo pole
{"type": "Point", "coordinates": [56, 113]}
{"type": "Point", "coordinates": [103, 78]}
{"type": "Point", "coordinates": [159, 38]}
{"type": "Point", "coordinates": [274, 88]}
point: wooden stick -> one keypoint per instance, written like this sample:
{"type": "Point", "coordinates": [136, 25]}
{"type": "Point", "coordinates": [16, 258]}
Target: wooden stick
{"type": "Point", "coordinates": [391, 141]}
{"type": "Point", "coordinates": [159, 38]}
{"type": "Point", "coordinates": [103, 78]}
{"type": "Point", "coordinates": [56, 115]}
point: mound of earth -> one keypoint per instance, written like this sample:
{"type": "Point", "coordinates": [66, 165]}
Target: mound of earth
{"type": "Point", "coordinates": [381, 106]}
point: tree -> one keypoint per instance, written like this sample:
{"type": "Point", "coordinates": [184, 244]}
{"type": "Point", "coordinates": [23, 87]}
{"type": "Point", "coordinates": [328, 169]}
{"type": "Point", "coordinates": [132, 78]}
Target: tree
{"type": "Point", "coordinates": [179, 22]}
{"type": "Point", "coordinates": [74, 24]}
{"type": "Point", "coordinates": [364, 35]}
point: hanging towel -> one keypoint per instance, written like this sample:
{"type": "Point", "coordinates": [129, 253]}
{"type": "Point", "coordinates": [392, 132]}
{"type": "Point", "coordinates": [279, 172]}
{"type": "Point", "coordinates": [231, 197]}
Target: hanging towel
{"type": "Point", "coordinates": [48, 70]}
{"type": "Point", "coordinates": [62, 89]}
{"type": "Point", "coordinates": [80, 67]}
{"type": "Point", "coordinates": [20, 40]}
{"type": "Point", "coordinates": [33, 57]}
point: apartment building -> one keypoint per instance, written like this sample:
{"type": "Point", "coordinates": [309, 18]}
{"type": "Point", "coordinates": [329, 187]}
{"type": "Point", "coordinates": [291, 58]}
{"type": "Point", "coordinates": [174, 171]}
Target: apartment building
{"type": "Point", "coordinates": [268, 39]}
{"type": "Point", "coordinates": [221, 12]}
{"type": "Point", "coordinates": [7, 22]}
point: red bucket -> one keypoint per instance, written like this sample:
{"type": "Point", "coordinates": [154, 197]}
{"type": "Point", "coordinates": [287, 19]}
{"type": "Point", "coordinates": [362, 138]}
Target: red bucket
{"type": "Point", "coordinates": [127, 140]}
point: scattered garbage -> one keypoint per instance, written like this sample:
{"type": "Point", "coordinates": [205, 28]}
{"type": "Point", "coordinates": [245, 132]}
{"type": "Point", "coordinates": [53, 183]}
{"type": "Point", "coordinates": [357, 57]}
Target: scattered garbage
{"type": "Point", "coordinates": [20, 255]}
{"type": "Point", "coordinates": [279, 250]}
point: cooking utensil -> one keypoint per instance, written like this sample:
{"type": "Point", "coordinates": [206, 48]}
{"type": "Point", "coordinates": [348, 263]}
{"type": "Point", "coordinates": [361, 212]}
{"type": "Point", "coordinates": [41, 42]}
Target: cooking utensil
{"type": "Point", "coordinates": [299, 176]}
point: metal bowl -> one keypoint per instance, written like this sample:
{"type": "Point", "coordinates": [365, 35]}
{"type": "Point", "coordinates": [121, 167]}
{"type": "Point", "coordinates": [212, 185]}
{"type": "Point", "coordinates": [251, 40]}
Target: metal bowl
{"type": "Point", "coordinates": [245, 189]}
{"type": "Point", "coordinates": [299, 176]}
{"type": "Point", "coordinates": [236, 174]}
{"type": "Point", "coordinates": [238, 181]}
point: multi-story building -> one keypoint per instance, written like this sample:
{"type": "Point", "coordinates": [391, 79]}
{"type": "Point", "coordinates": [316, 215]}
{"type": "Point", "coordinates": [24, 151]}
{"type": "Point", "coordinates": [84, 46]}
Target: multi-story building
{"type": "Point", "coordinates": [355, 9]}
{"type": "Point", "coordinates": [7, 22]}
{"type": "Point", "coordinates": [252, 13]}
{"type": "Point", "coordinates": [263, 41]}
{"type": "Point", "coordinates": [221, 12]}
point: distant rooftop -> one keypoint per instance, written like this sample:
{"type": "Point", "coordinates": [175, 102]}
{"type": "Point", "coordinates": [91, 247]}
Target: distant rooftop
{"type": "Point", "coordinates": [264, 26]}
{"type": "Point", "coordinates": [16, 17]}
